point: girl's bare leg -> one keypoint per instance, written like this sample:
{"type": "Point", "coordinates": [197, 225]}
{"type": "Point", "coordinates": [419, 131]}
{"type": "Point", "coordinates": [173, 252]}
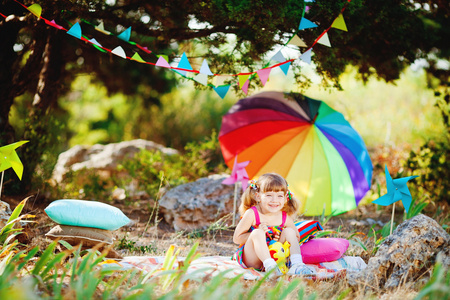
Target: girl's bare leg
{"type": "Point", "coordinates": [288, 234]}
{"type": "Point", "coordinates": [255, 249]}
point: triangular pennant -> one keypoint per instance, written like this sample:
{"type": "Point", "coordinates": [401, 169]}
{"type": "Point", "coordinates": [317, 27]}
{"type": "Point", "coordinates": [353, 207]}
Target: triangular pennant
{"type": "Point", "coordinates": [278, 57]}
{"type": "Point", "coordinates": [285, 67]}
{"type": "Point", "coordinates": [242, 79]}
{"type": "Point", "coordinates": [205, 68]}
{"type": "Point", "coordinates": [52, 23]}
{"type": "Point", "coordinates": [201, 78]}
{"type": "Point", "coordinates": [244, 88]}
{"type": "Point", "coordinates": [306, 57]}
{"type": "Point", "coordinates": [101, 28]}
{"type": "Point", "coordinates": [184, 62]}
{"type": "Point", "coordinates": [94, 41]}
{"type": "Point", "coordinates": [305, 23]}
{"type": "Point", "coordinates": [221, 90]}
{"type": "Point", "coordinates": [339, 23]}
{"type": "Point", "coordinates": [264, 75]}
{"type": "Point", "coordinates": [36, 9]}
{"type": "Point", "coordinates": [125, 36]}
{"type": "Point", "coordinates": [297, 41]}
{"type": "Point", "coordinates": [119, 52]}
{"type": "Point", "coordinates": [162, 62]}
{"type": "Point", "coordinates": [324, 40]}
{"type": "Point", "coordinates": [137, 57]}
{"type": "Point", "coordinates": [75, 30]}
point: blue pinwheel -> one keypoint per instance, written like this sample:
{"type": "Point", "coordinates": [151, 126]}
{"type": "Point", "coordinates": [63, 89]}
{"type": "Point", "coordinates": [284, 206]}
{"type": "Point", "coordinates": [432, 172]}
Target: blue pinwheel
{"type": "Point", "coordinates": [396, 190]}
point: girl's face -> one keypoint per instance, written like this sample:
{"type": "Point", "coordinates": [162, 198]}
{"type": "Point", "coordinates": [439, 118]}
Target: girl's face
{"type": "Point", "coordinates": [271, 202]}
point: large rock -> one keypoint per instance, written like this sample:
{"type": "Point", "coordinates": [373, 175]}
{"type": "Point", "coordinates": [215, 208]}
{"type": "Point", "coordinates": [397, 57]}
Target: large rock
{"type": "Point", "coordinates": [405, 255]}
{"type": "Point", "coordinates": [198, 204]}
{"type": "Point", "coordinates": [103, 158]}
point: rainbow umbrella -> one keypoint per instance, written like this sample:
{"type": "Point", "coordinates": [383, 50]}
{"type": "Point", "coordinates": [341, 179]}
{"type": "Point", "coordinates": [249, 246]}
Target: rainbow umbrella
{"type": "Point", "coordinates": [324, 160]}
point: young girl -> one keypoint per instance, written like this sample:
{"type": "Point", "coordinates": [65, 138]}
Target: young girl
{"type": "Point", "coordinates": [267, 206]}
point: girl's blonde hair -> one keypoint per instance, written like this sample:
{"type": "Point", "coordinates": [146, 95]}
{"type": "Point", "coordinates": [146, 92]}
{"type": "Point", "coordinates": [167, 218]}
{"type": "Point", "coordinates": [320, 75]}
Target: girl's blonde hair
{"type": "Point", "coordinates": [269, 182]}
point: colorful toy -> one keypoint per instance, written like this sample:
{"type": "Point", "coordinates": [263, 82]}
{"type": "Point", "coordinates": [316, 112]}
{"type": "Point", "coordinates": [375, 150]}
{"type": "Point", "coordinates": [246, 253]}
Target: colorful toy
{"type": "Point", "coordinates": [280, 252]}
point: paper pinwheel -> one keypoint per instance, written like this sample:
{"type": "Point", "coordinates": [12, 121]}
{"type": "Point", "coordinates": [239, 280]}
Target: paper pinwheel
{"type": "Point", "coordinates": [10, 159]}
{"type": "Point", "coordinates": [238, 174]}
{"type": "Point", "coordinates": [396, 190]}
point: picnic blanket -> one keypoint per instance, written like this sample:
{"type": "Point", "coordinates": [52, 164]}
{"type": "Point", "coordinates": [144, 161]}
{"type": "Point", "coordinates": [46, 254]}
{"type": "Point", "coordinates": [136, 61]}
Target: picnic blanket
{"type": "Point", "coordinates": [213, 265]}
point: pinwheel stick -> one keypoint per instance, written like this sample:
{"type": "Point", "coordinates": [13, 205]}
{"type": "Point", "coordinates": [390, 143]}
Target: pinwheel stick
{"type": "Point", "coordinates": [1, 184]}
{"type": "Point", "coordinates": [234, 202]}
{"type": "Point", "coordinates": [392, 217]}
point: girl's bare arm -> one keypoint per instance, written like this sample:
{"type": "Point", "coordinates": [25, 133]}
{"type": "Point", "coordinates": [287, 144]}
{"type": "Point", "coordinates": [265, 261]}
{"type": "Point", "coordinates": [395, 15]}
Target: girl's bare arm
{"type": "Point", "coordinates": [241, 233]}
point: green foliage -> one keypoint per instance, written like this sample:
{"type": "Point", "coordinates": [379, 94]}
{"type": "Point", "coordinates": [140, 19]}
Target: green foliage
{"type": "Point", "coordinates": [415, 208]}
{"type": "Point", "coordinates": [132, 246]}
{"type": "Point", "coordinates": [431, 162]}
{"type": "Point", "coordinates": [200, 160]}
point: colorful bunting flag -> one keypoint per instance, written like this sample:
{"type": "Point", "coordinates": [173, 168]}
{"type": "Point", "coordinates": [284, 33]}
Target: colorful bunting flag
{"type": "Point", "coordinates": [101, 28]}
{"type": "Point", "coordinates": [221, 90]}
{"type": "Point", "coordinates": [278, 57]}
{"type": "Point", "coordinates": [339, 23]}
{"type": "Point", "coordinates": [162, 62]}
{"type": "Point", "coordinates": [119, 52]}
{"type": "Point", "coordinates": [242, 79]}
{"type": "Point", "coordinates": [137, 57]}
{"type": "Point", "coordinates": [305, 24]}
{"type": "Point", "coordinates": [285, 67]}
{"type": "Point", "coordinates": [125, 36]}
{"type": "Point", "coordinates": [36, 9]}
{"type": "Point", "coordinates": [75, 31]}
{"type": "Point", "coordinates": [263, 75]}
{"type": "Point", "coordinates": [306, 56]}
{"type": "Point", "coordinates": [205, 68]}
{"type": "Point", "coordinates": [297, 41]}
{"type": "Point", "coordinates": [201, 78]}
{"type": "Point", "coordinates": [94, 41]}
{"type": "Point", "coordinates": [52, 23]}
{"type": "Point", "coordinates": [184, 62]}
{"type": "Point", "coordinates": [324, 40]}
{"type": "Point", "coordinates": [244, 87]}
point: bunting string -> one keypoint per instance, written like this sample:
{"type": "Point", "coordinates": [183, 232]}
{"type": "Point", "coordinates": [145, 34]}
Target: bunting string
{"type": "Point", "coordinates": [204, 74]}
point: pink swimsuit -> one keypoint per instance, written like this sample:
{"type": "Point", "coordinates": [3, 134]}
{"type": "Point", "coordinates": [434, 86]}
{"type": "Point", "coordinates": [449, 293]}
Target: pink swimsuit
{"type": "Point", "coordinates": [239, 255]}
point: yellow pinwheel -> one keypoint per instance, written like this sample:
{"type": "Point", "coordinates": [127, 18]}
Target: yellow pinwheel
{"type": "Point", "coordinates": [10, 159]}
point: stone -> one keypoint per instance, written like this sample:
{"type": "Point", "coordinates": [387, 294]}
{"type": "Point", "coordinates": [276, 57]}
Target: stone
{"type": "Point", "coordinates": [5, 213]}
{"type": "Point", "coordinates": [103, 158]}
{"type": "Point", "coordinates": [406, 255]}
{"type": "Point", "coordinates": [198, 204]}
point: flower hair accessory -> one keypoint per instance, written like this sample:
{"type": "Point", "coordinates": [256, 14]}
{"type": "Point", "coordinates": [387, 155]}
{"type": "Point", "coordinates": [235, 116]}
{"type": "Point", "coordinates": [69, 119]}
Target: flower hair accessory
{"type": "Point", "coordinates": [252, 185]}
{"type": "Point", "coordinates": [289, 193]}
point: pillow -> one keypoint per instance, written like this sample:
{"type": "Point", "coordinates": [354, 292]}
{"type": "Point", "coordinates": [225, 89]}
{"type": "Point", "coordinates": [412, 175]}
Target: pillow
{"type": "Point", "coordinates": [323, 250]}
{"type": "Point", "coordinates": [86, 214]}
{"type": "Point", "coordinates": [307, 230]}
{"type": "Point", "coordinates": [75, 235]}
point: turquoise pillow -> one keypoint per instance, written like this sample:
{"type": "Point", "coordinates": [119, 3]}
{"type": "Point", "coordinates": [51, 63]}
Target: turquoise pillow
{"type": "Point", "coordinates": [85, 213]}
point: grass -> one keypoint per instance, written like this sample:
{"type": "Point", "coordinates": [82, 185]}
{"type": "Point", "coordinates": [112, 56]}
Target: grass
{"type": "Point", "coordinates": [59, 271]}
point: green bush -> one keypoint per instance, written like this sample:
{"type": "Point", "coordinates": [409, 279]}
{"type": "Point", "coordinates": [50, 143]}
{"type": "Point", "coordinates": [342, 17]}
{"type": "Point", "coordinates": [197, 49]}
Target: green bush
{"type": "Point", "coordinates": [431, 162]}
{"type": "Point", "coordinates": [151, 169]}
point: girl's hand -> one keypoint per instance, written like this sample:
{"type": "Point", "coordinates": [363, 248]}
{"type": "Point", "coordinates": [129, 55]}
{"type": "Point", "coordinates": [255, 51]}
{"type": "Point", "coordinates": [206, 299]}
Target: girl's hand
{"type": "Point", "coordinates": [264, 227]}
{"type": "Point", "coordinates": [276, 236]}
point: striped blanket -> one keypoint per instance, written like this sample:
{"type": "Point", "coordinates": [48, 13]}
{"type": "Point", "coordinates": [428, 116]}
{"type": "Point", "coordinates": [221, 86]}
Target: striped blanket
{"type": "Point", "coordinates": [308, 230]}
{"type": "Point", "coordinates": [213, 265]}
